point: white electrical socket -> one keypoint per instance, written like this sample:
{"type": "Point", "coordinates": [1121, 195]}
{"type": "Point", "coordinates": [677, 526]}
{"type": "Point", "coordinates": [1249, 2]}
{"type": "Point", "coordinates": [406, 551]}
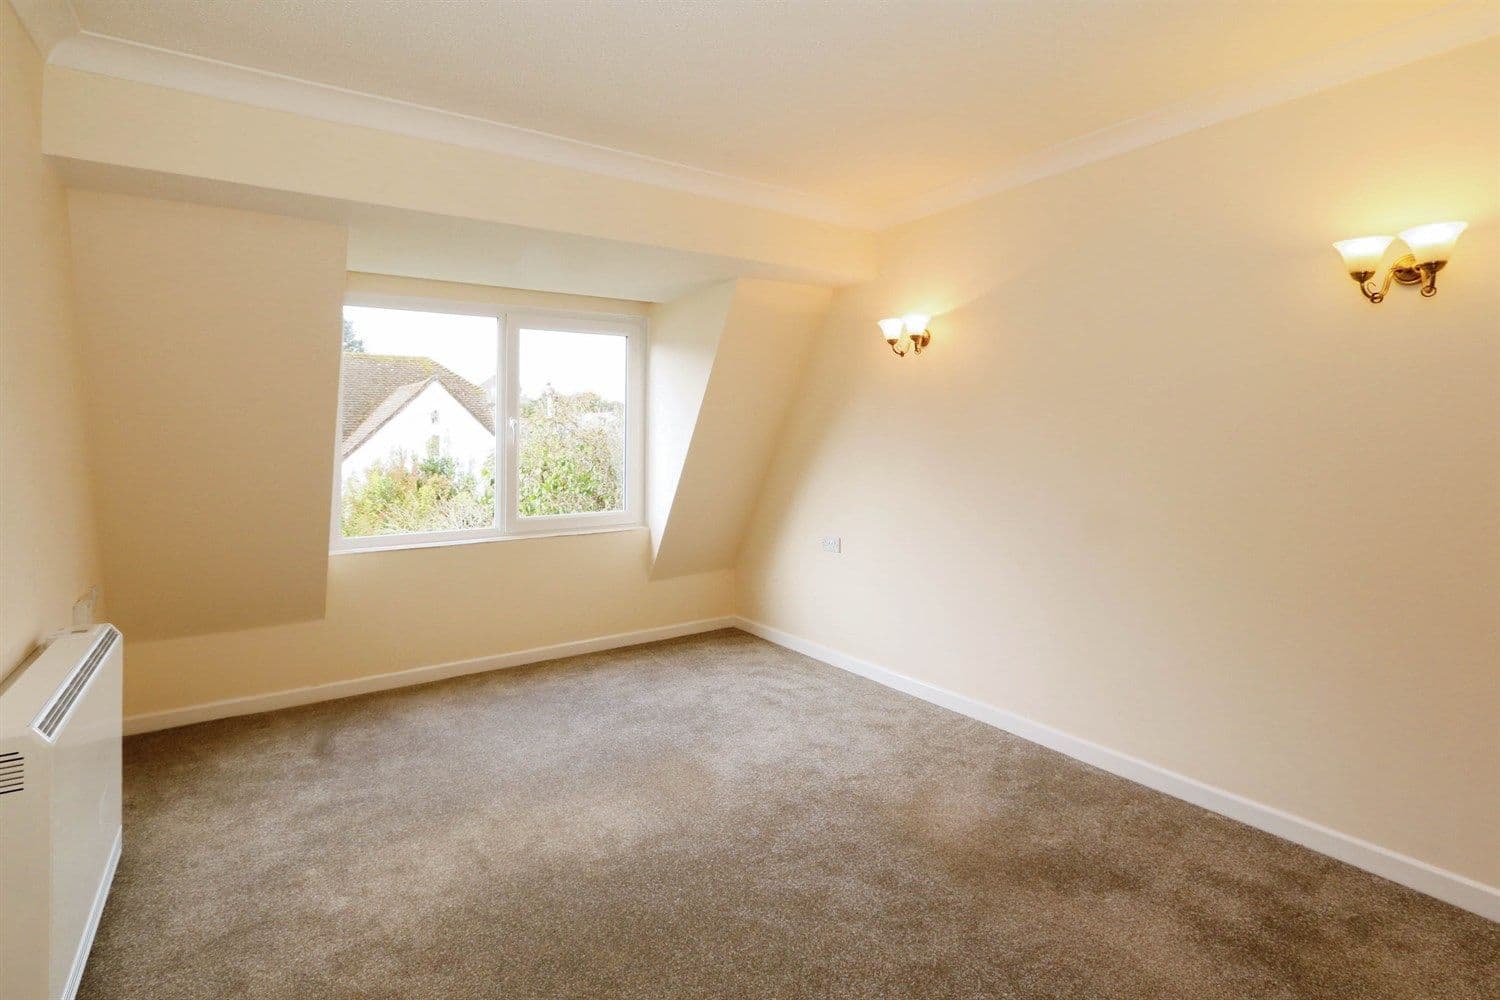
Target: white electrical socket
{"type": "Point", "coordinates": [832, 543]}
{"type": "Point", "coordinates": [83, 608]}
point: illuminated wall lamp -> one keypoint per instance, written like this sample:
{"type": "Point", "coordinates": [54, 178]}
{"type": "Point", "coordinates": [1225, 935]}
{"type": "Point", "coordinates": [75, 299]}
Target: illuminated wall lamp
{"type": "Point", "coordinates": [1430, 247]}
{"type": "Point", "coordinates": [906, 333]}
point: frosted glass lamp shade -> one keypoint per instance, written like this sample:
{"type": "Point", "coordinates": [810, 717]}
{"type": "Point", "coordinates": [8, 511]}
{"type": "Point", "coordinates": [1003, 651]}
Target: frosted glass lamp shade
{"type": "Point", "coordinates": [1362, 255]}
{"type": "Point", "coordinates": [891, 329]}
{"type": "Point", "coordinates": [1433, 243]}
{"type": "Point", "coordinates": [915, 322]}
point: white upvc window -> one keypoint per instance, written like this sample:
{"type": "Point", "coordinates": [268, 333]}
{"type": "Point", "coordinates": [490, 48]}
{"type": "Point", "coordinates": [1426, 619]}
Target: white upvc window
{"type": "Point", "coordinates": [461, 422]}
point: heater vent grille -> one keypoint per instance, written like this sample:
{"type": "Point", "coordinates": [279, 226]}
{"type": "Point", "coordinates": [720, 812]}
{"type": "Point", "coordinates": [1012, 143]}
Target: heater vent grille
{"type": "Point", "coordinates": [49, 721]}
{"type": "Point", "coordinates": [12, 773]}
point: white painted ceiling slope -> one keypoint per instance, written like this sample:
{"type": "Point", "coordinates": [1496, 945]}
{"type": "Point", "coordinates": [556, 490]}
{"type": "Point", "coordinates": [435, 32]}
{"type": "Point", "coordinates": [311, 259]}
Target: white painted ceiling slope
{"type": "Point", "coordinates": [866, 112]}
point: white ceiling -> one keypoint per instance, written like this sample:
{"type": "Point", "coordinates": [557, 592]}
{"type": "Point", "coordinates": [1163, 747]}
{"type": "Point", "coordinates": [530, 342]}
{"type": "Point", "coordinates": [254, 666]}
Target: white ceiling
{"type": "Point", "coordinates": [860, 103]}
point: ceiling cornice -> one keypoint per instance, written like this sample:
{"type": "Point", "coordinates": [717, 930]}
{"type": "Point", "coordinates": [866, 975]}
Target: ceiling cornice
{"type": "Point", "coordinates": [1441, 31]}
{"type": "Point", "coordinates": [54, 26]}
{"type": "Point", "coordinates": [105, 55]}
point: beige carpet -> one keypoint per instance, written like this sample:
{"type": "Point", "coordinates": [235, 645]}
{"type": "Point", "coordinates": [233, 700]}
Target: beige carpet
{"type": "Point", "coordinates": [715, 817]}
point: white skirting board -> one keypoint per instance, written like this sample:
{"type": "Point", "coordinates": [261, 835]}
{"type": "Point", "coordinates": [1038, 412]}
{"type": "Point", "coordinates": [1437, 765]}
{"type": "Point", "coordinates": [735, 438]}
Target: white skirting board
{"type": "Point", "coordinates": [1425, 878]}
{"type": "Point", "coordinates": [251, 704]}
{"type": "Point", "coordinates": [75, 975]}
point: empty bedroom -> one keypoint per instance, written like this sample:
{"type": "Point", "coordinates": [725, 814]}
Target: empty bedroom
{"type": "Point", "coordinates": [663, 499]}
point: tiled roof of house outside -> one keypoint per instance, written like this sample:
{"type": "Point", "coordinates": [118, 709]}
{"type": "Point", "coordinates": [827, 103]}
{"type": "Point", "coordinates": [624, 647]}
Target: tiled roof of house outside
{"type": "Point", "coordinates": [375, 387]}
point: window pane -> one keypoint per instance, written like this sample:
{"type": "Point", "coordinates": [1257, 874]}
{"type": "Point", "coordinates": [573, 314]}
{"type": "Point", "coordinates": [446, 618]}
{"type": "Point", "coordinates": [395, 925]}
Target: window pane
{"type": "Point", "coordinates": [417, 435]}
{"type": "Point", "coordinates": [572, 436]}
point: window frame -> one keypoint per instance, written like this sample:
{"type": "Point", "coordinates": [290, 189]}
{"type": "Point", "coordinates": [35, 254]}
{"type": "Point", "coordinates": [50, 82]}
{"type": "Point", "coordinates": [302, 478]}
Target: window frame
{"type": "Point", "coordinates": [509, 523]}
{"type": "Point", "coordinates": [559, 321]}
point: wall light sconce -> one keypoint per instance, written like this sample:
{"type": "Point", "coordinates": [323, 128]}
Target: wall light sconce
{"type": "Point", "coordinates": [906, 333]}
{"type": "Point", "coordinates": [1430, 247]}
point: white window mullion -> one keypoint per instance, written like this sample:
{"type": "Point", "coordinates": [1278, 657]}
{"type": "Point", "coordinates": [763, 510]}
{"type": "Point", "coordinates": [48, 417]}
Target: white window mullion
{"type": "Point", "coordinates": [635, 426]}
{"type": "Point", "coordinates": [502, 376]}
{"type": "Point", "coordinates": [510, 338]}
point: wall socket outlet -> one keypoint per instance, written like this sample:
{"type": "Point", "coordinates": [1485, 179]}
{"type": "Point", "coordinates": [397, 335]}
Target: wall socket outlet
{"type": "Point", "coordinates": [831, 543]}
{"type": "Point", "coordinates": [83, 608]}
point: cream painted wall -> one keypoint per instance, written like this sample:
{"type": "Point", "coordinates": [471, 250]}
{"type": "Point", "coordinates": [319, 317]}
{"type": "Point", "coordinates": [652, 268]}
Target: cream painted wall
{"type": "Point", "coordinates": [757, 364]}
{"type": "Point", "coordinates": [1166, 481]}
{"type": "Point", "coordinates": [395, 610]}
{"type": "Point", "coordinates": [48, 554]}
{"type": "Point", "coordinates": [683, 339]}
{"type": "Point", "coordinates": [723, 364]}
{"type": "Point", "coordinates": [211, 353]}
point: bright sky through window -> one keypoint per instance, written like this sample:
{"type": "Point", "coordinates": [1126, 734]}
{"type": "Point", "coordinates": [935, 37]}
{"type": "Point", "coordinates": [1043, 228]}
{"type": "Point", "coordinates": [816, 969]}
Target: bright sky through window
{"type": "Point", "coordinates": [572, 362]}
{"type": "Point", "coordinates": [464, 344]}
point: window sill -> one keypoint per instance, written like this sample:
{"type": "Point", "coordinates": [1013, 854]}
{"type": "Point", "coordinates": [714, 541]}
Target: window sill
{"type": "Point", "coordinates": [485, 540]}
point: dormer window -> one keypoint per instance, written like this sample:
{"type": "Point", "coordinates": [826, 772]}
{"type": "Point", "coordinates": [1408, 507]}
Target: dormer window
{"type": "Point", "coordinates": [569, 449]}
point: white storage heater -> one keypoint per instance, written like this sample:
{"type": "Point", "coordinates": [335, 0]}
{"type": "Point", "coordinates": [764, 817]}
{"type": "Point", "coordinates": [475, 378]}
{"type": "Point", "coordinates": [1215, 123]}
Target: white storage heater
{"type": "Point", "coordinates": [59, 810]}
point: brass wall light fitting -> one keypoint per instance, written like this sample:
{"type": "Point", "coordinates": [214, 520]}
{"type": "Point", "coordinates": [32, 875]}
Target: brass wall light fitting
{"type": "Point", "coordinates": [1429, 248]}
{"type": "Point", "coordinates": [907, 333]}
